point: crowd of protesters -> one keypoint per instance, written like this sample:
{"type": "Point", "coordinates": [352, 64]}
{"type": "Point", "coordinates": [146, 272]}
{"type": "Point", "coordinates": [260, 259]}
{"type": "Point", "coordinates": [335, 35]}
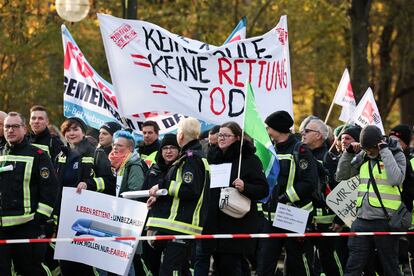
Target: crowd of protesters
{"type": "Point", "coordinates": [37, 162]}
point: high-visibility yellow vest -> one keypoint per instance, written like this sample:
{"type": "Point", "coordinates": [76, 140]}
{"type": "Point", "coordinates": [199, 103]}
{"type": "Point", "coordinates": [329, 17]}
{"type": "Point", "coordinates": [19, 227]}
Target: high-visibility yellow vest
{"type": "Point", "coordinates": [390, 195]}
{"type": "Point", "coordinates": [290, 189]}
{"type": "Point", "coordinates": [171, 222]}
{"type": "Point", "coordinates": [149, 159]}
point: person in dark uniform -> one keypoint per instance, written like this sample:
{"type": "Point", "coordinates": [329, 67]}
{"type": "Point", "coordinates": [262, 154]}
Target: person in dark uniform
{"type": "Point", "coordinates": [28, 192]}
{"type": "Point", "coordinates": [167, 154]}
{"type": "Point", "coordinates": [295, 187]}
{"type": "Point", "coordinates": [40, 135]}
{"type": "Point", "coordinates": [183, 210]}
{"type": "Point", "coordinates": [82, 166]}
{"type": "Point", "coordinates": [106, 133]}
{"type": "Point", "coordinates": [314, 135]}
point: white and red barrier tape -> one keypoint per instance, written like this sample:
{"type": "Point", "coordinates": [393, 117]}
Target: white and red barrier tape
{"type": "Point", "coordinates": [200, 237]}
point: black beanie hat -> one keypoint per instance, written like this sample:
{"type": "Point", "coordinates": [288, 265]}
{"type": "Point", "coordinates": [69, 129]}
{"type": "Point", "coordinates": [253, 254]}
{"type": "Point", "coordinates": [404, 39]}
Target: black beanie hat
{"type": "Point", "coordinates": [111, 127]}
{"type": "Point", "coordinates": [353, 131]}
{"type": "Point", "coordinates": [280, 121]}
{"type": "Point", "coordinates": [403, 132]}
{"type": "Point", "coordinates": [81, 123]}
{"type": "Point", "coordinates": [370, 137]}
{"type": "Point", "coordinates": [169, 139]}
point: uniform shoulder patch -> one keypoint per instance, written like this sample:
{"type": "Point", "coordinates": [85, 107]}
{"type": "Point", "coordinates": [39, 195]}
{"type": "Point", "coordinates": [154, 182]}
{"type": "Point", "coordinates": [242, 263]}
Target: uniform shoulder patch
{"type": "Point", "coordinates": [303, 164]}
{"type": "Point", "coordinates": [188, 177]}
{"type": "Point", "coordinates": [45, 172]}
{"type": "Point", "coordinates": [302, 149]}
{"type": "Point", "coordinates": [39, 151]}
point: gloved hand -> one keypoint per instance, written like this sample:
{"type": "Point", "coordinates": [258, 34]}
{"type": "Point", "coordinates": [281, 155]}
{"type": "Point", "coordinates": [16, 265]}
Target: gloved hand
{"type": "Point", "coordinates": [40, 219]}
{"type": "Point", "coordinates": [283, 198]}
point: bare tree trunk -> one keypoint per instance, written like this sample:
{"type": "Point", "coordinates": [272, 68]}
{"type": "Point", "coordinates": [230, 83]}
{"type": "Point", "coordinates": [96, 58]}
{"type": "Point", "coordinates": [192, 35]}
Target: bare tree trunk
{"type": "Point", "coordinates": [129, 8]}
{"type": "Point", "coordinates": [405, 40]}
{"type": "Point", "coordinates": [385, 95]}
{"type": "Point", "coordinates": [359, 14]}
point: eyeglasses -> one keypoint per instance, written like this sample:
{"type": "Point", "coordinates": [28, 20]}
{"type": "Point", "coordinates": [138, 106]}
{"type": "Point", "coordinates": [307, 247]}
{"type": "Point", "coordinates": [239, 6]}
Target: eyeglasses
{"type": "Point", "coordinates": [166, 148]}
{"type": "Point", "coordinates": [306, 130]}
{"type": "Point", "coordinates": [225, 136]}
{"type": "Point", "coordinates": [13, 127]}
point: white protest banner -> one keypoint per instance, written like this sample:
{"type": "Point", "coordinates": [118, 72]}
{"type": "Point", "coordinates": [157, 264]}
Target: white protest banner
{"type": "Point", "coordinates": [220, 175]}
{"type": "Point", "coordinates": [342, 200]}
{"type": "Point", "coordinates": [160, 70]}
{"type": "Point", "coordinates": [99, 215]}
{"type": "Point", "coordinates": [90, 97]}
{"type": "Point", "coordinates": [291, 218]}
{"type": "Point", "coordinates": [344, 97]}
{"type": "Point", "coordinates": [366, 112]}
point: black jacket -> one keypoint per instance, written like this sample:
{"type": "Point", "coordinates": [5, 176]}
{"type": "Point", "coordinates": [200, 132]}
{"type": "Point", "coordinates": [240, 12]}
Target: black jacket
{"type": "Point", "coordinates": [33, 176]}
{"type": "Point", "coordinates": [146, 150]}
{"type": "Point", "coordinates": [75, 165]}
{"type": "Point", "coordinates": [53, 143]}
{"type": "Point", "coordinates": [185, 191]}
{"type": "Point", "coordinates": [305, 175]}
{"type": "Point", "coordinates": [255, 188]}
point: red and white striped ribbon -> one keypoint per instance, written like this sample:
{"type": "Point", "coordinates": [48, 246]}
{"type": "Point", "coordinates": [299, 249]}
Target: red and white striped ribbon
{"type": "Point", "coordinates": [200, 237]}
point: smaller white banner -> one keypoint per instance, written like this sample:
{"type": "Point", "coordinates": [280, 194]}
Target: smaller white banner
{"type": "Point", "coordinates": [220, 175]}
{"type": "Point", "coordinates": [342, 200]}
{"type": "Point", "coordinates": [143, 193]}
{"type": "Point", "coordinates": [291, 218]}
{"type": "Point", "coordinates": [367, 113]}
{"type": "Point", "coordinates": [92, 214]}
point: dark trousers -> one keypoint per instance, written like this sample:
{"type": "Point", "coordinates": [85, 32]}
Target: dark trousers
{"type": "Point", "coordinates": [326, 252]}
{"type": "Point", "coordinates": [202, 258]}
{"type": "Point", "coordinates": [298, 254]}
{"type": "Point", "coordinates": [27, 257]}
{"type": "Point", "coordinates": [361, 248]}
{"type": "Point", "coordinates": [229, 264]}
{"type": "Point", "coordinates": [176, 254]}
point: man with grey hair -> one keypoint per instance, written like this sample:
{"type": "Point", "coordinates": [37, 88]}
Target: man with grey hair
{"type": "Point", "coordinates": [314, 134]}
{"type": "Point", "coordinates": [184, 209]}
{"type": "Point", "coordinates": [3, 116]}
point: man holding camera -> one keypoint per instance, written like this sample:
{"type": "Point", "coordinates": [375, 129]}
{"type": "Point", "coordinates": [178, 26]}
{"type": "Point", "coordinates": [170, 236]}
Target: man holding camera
{"type": "Point", "coordinates": [380, 165]}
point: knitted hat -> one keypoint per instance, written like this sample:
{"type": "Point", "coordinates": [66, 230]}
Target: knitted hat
{"type": "Point", "coordinates": [111, 127]}
{"type": "Point", "coordinates": [403, 132]}
{"type": "Point", "coordinates": [81, 123]}
{"type": "Point", "coordinates": [280, 121]}
{"type": "Point", "coordinates": [353, 131]}
{"type": "Point", "coordinates": [370, 137]}
{"type": "Point", "coordinates": [169, 139]}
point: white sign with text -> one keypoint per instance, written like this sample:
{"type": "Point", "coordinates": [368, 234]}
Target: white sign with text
{"type": "Point", "coordinates": [342, 200]}
{"type": "Point", "coordinates": [92, 214]}
{"type": "Point", "coordinates": [291, 218]}
{"type": "Point", "coordinates": [220, 175]}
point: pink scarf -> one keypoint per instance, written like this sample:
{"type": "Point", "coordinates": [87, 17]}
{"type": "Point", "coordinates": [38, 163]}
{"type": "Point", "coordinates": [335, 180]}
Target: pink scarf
{"type": "Point", "coordinates": [118, 159]}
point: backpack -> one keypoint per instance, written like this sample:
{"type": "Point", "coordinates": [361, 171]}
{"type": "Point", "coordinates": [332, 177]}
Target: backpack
{"type": "Point", "coordinates": [318, 195]}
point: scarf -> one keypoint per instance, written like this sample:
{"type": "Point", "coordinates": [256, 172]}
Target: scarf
{"type": "Point", "coordinates": [118, 160]}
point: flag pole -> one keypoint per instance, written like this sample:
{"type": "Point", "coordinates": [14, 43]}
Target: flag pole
{"type": "Point", "coordinates": [242, 127]}
{"type": "Point", "coordinates": [330, 110]}
{"type": "Point", "coordinates": [339, 135]}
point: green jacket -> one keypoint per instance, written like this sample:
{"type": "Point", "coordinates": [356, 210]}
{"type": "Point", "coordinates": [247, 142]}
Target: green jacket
{"type": "Point", "coordinates": [132, 174]}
